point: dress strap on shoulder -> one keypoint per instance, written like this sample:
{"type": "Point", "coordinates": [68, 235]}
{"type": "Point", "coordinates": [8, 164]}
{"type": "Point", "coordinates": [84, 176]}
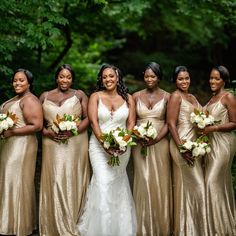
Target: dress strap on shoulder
{"type": "Point", "coordinates": [222, 96]}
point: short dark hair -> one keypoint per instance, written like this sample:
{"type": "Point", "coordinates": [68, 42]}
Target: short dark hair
{"type": "Point", "coordinates": [67, 67]}
{"type": "Point", "coordinates": [28, 75]}
{"type": "Point", "coordinates": [155, 67]}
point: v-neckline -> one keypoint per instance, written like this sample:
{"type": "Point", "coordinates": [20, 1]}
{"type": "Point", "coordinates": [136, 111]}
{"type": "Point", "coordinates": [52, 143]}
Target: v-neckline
{"type": "Point", "coordinates": [108, 108]}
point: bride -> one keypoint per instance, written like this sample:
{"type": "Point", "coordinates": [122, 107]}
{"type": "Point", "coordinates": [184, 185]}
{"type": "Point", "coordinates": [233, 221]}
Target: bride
{"type": "Point", "coordinates": [109, 208]}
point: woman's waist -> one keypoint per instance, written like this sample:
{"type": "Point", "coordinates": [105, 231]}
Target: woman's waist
{"type": "Point", "coordinates": [150, 119]}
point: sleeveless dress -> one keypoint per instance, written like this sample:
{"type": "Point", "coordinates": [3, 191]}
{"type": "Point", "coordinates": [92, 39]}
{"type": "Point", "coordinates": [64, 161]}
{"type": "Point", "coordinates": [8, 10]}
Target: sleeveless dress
{"type": "Point", "coordinates": [188, 182]}
{"type": "Point", "coordinates": [152, 177]}
{"type": "Point", "coordinates": [221, 212]}
{"type": "Point", "coordinates": [65, 175]}
{"type": "Point", "coordinates": [17, 190]}
{"type": "Point", "coordinates": [109, 209]}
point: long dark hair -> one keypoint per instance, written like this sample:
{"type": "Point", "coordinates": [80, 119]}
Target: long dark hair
{"type": "Point", "coordinates": [28, 75]}
{"type": "Point", "coordinates": [121, 88]}
{"type": "Point", "coordinates": [155, 67]}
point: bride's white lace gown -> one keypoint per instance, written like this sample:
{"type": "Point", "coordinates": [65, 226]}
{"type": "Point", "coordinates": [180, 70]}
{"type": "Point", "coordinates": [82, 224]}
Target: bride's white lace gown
{"type": "Point", "coordinates": [109, 208]}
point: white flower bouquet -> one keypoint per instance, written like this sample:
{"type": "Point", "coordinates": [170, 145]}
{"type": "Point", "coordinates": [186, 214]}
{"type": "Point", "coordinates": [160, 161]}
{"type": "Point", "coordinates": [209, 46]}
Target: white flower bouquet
{"type": "Point", "coordinates": [66, 123]}
{"type": "Point", "coordinates": [144, 133]}
{"type": "Point", "coordinates": [117, 142]}
{"type": "Point", "coordinates": [200, 147]}
{"type": "Point", "coordinates": [7, 121]}
{"type": "Point", "coordinates": [202, 119]}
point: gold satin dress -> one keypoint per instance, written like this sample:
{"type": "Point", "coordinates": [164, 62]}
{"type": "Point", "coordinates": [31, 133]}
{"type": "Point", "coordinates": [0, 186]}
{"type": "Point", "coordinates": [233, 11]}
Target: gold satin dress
{"type": "Point", "coordinates": [65, 175]}
{"type": "Point", "coordinates": [17, 190]}
{"type": "Point", "coordinates": [152, 177]}
{"type": "Point", "coordinates": [221, 213]}
{"type": "Point", "coordinates": [188, 182]}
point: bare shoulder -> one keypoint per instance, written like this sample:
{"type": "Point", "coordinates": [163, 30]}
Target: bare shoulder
{"type": "Point", "coordinates": [166, 94]}
{"type": "Point", "coordinates": [80, 94]}
{"type": "Point", "coordinates": [137, 94]}
{"type": "Point", "coordinates": [30, 99]}
{"type": "Point", "coordinates": [175, 95]}
{"type": "Point", "coordinates": [94, 96]}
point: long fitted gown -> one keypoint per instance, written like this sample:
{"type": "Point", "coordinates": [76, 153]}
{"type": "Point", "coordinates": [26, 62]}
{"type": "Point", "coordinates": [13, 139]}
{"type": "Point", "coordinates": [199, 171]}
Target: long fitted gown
{"type": "Point", "coordinates": [17, 190]}
{"type": "Point", "coordinates": [65, 175]}
{"type": "Point", "coordinates": [109, 209]}
{"type": "Point", "coordinates": [152, 177]}
{"type": "Point", "coordinates": [188, 182]}
{"type": "Point", "coordinates": [221, 215]}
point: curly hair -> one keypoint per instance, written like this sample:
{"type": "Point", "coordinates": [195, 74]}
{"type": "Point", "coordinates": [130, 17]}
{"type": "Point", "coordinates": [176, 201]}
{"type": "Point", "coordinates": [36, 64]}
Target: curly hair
{"type": "Point", "coordinates": [121, 88]}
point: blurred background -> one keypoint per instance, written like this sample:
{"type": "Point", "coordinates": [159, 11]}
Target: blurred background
{"type": "Point", "coordinates": [41, 35]}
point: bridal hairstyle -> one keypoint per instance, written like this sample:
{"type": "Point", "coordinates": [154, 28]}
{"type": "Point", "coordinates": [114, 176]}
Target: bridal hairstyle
{"type": "Point", "coordinates": [67, 67]}
{"type": "Point", "coordinates": [155, 67]}
{"type": "Point", "coordinates": [224, 73]}
{"type": "Point", "coordinates": [177, 70]}
{"type": "Point", "coordinates": [28, 75]}
{"type": "Point", "coordinates": [121, 88]}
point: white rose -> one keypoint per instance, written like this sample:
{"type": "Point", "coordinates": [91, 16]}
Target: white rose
{"type": "Point", "coordinates": [106, 145]}
{"type": "Point", "coordinates": [196, 151]}
{"type": "Point", "coordinates": [152, 132]}
{"type": "Point", "coordinates": [142, 131]}
{"type": "Point", "coordinates": [10, 122]}
{"type": "Point", "coordinates": [198, 119]}
{"type": "Point", "coordinates": [192, 117]}
{"type": "Point", "coordinates": [1, 129]}
{"type": "Point", "coordinates": [188, 145]}
{"type": "Point", "coordinates": [122, 143]}
{"type": "Point", "coordinates": [73, 125]}
{"type": "Point", "coordinates": [3, 116]}
{"type": "Point", "coordinates": [55, 129]}
{"type": "Point", "coordinates": [68, 125]}
{"type": "Point", "coordinates": [201, 124]}
{"type": "Point", "coordinates": [208, 149]}
{"type": "Point", "coordinates": [62, 126]}
{"type": "Point", "coordinates": [4, 125]}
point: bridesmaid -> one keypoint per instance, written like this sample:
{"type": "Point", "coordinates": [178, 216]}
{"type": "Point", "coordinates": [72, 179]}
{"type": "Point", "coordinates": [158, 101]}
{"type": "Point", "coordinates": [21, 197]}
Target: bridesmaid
{"type": "Point", "coordinates": [18, 159]}
{"type": "Point", "coordinates": [188, 177]}
{"type": "Point", "coordinates": [152, 173]}
{"type": "Point", "coordinates": [65, 167]}
{"type": "Point", "coordinates": [221, 215]}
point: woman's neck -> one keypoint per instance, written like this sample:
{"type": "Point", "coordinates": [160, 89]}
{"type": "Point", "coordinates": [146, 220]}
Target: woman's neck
{"type": "Point", "coordinates": [20, 95]}
{"type": "Point", "coordinates": [152, 90]}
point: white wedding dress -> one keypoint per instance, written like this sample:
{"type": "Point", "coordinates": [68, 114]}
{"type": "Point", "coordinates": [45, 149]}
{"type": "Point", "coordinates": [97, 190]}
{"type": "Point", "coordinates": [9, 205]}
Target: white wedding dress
{"type": "Point", "coordinates": [109, 208]}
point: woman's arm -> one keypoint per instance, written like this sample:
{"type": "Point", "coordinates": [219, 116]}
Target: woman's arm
{"type": "Point", "coordinates": [93, 115]}
{"type": "Point", "coordinates": [84, 123]}
{"type": "Point", "coordinates": [229, 101]}
{"type": "Point", "coordinates": [130, 123]}
{"type": "Point", "coordinates": [33, 116]}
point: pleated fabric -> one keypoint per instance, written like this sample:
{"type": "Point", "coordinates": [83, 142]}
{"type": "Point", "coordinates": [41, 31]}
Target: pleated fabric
{"type": "Point", "coordinates": [152, 177]}
{"type": "Point", "coordinates": [188, 183]}
{"type": "Point", "coordinates": [17, 190]}
{"type": "Point", "coordinates": [221, 214]}
{"type": "Point", "coordinates": [64, 177]}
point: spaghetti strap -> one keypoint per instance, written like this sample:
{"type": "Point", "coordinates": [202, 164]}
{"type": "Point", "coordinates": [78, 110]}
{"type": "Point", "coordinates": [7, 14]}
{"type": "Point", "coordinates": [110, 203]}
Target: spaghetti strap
{"type": "Point", "coordinates": [222, 96]}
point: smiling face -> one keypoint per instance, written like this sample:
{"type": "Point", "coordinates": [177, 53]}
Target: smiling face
{"type": "Point", "coordinates": [20, 83]}
{"type": "Point", "coordinates": [183, 81]}
{"type": "Point", "coordinates": [109, 79]}
{"type": "Point", "coordinates": [64, 80]}
{"type": "Point", "coordinates": [150, 78]}
{"type": "Point", "coordinates": [216, 82]}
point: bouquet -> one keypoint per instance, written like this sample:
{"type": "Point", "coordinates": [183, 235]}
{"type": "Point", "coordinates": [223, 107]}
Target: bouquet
{"type": "Point", "coordinates": [66, 123]}
{"type": "Point", "coordinates": [7, 121]}
{"type": "Point", "coordinates": [117, 141]}
{"type": "Point", "coordinates": [144, 133]}
{"type": "Point", "coordinates": [198, 148]}
{"type": "Point", "coordinates": [202, 119]}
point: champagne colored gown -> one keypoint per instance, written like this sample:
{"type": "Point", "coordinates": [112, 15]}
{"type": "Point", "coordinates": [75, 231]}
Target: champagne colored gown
{"type": "Point", "coordinates": [189, 190]}
{"type": "Point", "coordinates": [17, 190]}
{"type": "Point", "coordinates": [221, 213]}
{"type": "Point", "coordinates": [109, 209]}
{"type": "Point", "coordinates": [152, 177]}
{"type": "Point", "coordinates": [65, 175]}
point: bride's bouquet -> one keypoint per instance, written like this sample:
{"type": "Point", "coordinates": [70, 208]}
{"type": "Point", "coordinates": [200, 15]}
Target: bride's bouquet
{"type": "Point", "coordinates": [144, 133]}
{"type": "Point", "coordinates": [202, 119]}
{"type": "Point", "coordinates": [116, 141]}
{"type": "Point", "coordinates": [200, 147]}
{"type": "Point", "coordinates": [7, 121]}
{"type": "Point", "coordinates": [66, 123]}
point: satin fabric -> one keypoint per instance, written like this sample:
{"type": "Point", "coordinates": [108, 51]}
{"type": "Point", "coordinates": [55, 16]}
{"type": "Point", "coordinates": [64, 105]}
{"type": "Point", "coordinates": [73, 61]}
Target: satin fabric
{"type": "Point", "coordinates": [109, 209]}
{"type": "Point", "coordinates": [152, 177]}
{"type": "Point", "coordinates": [64, 177]}
{"type": "Point", "coordinates": [17, 191]}
{"type": "Point", "coordinates": [221, 215]}
{"type": "Point", "coordinates": [188, 183]}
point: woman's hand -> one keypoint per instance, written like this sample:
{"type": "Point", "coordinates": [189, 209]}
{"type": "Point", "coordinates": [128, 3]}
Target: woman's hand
{"type": "Point", "coordinates": [113, 151]}
{"type": "Point", "coordinates": [188, 158]}
{"type": "Point", "coordinates": [207, 130]}
{"type": "Point", "coordinates": [7, 133]}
